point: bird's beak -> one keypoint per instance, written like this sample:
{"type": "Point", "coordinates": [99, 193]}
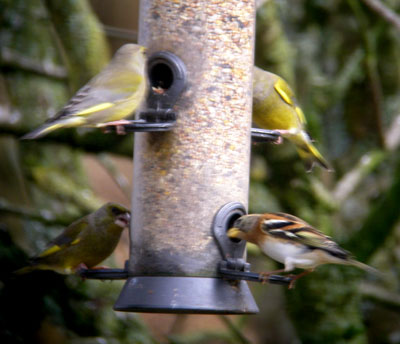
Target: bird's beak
{"type": "Point", "coordinates": [234, 233]}
{"type": "Point", "coordinates": [123, 220]}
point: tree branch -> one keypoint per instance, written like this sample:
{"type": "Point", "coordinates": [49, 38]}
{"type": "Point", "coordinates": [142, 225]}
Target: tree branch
{"type": "Point", "coordinates": [380, 295]}
{"type": "Point", "coordinates": [24, 212]}
{"type": "Point", "coordinates": [13, 59]}
{"type": "Point", "coordinates": [385, 12]}
{"type": "Point", "coordinates": [379, 224]}
{"type": "Point", "coordinates": [92, 142]}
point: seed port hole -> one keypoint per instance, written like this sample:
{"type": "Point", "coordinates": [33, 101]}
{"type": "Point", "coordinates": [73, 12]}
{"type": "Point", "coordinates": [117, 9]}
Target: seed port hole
{"type": "Point", "coordinates": [161, 75]}
{"type": "Point", "coordinates": [223, 221]}
{"type": "Point", "coordinates": [229, 225]}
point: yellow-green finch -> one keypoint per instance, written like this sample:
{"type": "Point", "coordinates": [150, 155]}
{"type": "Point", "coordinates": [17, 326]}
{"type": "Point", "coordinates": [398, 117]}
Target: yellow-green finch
{"type": "Point", "coordinates": [113, 94]}
{"type": "Point", "coordinates": [275, 108]}
{"type": "Point", "coordinates": [292, 242]}
{"type": "Point", "coordinates": [85, 243]}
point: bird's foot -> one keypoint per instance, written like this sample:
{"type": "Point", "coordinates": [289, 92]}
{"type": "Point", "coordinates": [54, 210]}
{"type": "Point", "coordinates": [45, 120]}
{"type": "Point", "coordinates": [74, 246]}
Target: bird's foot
{"type": "Point", "coordinates": [294, 278]}
{"type": "Point", "coordinates": [79, 269]}
{"type": "Point", "coordinates": [264, 276]}
{"type": "Point", "coordinates": [81, 266]}
{"type": "Point", "coordinates": [284, 131]}
{"type": "Point", "coordinates": [105, 130]}
{"type": "Point", "coordinates": [278, 141]}
{"type": "Point", "coordinates": [100, 267]}
{"type": "Point", "coordinates": [119, 126]}
{"type": "Point", "coordinates": [114, 123]}
{"type": "Point", "coordinates": [120, 130]}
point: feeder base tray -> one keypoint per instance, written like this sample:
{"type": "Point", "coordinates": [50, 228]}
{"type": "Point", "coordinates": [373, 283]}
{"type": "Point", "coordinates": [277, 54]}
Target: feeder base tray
{"type": "Point", "coordinates": [198, 295]}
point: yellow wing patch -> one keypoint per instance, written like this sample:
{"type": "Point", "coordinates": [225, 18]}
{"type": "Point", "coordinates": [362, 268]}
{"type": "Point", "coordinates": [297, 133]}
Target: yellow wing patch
{"type": "Point", "coordinates": [50, 250]}
{"type": "Point", "coordinates": [75, 241]}
{"type": "Point", "coordinates": [49, 129]}
{"type": "Point", "coordinates": [55, 248]}
{"type": "Point", "coordinates": [300, 113]}
{"type": "Point", "coordinates": [95, 108]}
{"type": "Point", "coordinates": [286, 97]}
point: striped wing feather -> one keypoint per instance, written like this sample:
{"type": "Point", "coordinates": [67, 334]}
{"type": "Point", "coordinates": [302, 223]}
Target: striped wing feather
{"type": "Point", "coordinates": [292, 228]}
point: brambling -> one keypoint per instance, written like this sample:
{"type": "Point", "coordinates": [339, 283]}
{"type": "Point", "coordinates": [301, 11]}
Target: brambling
{"type": "Point", "coordinates": [293, 242]}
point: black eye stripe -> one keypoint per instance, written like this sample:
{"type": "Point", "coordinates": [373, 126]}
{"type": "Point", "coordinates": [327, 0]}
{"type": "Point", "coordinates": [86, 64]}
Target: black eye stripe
{"type": "Point", "coordinates": [275, 224]}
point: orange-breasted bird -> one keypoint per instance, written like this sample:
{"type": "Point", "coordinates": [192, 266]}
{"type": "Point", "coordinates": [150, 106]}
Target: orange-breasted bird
{"type": "Point", "coordinates": [292, 242]}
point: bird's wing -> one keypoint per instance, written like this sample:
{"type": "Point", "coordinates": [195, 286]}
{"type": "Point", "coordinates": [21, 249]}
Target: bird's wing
{"type": "Point", "coordinates": [69, 237]}
{"type": "Point", "coordinates": [287, 95]}
{"type": "Point", "coordinates": [102, 92]}
{"type": "Point", "coordinates": [292, 228]}
{"type": "Point", "coordinates": [284, 225]}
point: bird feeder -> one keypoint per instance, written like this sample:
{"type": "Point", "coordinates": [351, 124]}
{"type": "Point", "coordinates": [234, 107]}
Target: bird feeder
{"type": "Point", "coordinates": [184, 176]}
{"type": "Point", "coordinates": [191, 167]}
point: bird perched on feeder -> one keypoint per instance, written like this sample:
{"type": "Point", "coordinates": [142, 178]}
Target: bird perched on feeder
{"type": "Point", "coordinates": [113, 94]}
{"type": "Point", "coordinates": [275, 108]}
{"type": "Point", "coordinates": [85, 243]}
{"type": "Point", "coordinates": [293, 242]}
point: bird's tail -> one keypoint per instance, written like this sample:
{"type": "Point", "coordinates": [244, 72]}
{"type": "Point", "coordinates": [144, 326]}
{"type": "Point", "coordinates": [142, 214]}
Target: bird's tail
{"type": "Point", "coordinates": [364, 267]}
{"type": "Point", "coordinates": [42, 131]}
{"type": "Point", "coordinates": [54, 124]}
{"type": "Point", "coordinates": [309, 153]}
{"type": "Point", "coordinates": [25, 270]}
{"type": "Point", "coordinates": [34, 263]}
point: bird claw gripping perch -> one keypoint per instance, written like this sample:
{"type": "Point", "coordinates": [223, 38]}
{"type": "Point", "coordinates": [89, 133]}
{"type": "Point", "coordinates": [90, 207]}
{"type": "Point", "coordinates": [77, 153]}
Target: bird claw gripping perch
{"type": "Point", "coordinates": [233, 266]}
{"type": "Point", "coordinates": [167, 75]}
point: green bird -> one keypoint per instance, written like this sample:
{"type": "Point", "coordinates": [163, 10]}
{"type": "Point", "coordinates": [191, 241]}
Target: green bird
{"type": "Point", "coordinates": [275, 108]}
{"type": "Point", "coordinates": [84, 243]}
{"type": "Point", "coordinates": [113, 94]}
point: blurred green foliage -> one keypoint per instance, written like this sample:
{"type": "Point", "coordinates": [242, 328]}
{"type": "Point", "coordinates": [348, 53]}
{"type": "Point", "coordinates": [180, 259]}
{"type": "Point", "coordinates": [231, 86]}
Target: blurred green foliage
{"type": "Point", "coordinates": [347, 76]}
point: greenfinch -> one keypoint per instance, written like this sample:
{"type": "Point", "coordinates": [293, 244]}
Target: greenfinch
{"type": "Point", "coordinates": [275, 108]}
{"type": "Point", "coordinates": [293, 242]}
{"type": "Point", "coordinates": [85, 243]}
{"type": "Point", "coordinates": [113, 94]}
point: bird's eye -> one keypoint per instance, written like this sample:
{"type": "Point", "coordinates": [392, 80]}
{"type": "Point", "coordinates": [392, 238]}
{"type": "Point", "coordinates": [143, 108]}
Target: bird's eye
{"type": "Point", "coordinates": [115, 211]}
